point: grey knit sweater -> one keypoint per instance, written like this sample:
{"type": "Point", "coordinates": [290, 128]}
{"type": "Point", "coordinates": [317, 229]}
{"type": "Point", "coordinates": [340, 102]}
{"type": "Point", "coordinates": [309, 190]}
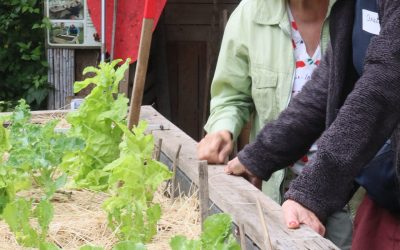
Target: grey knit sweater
{"type": "Point", "coordinates": [353, 116]}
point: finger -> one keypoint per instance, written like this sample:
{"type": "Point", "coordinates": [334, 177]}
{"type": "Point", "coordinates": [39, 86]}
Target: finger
{"type": "Point", "coordinates": [291, 216]}
{"type": "Point", "coordinates": [316, 225]}
{"type": "Point", "coordinates": [213, 150]}
{"type": "Point", "coordinates": [208, 150]}
{"type": "Point", "coordinates": [236, 167]}
{"type": "Point", "coordinates": [227, 170]}
{"type": "Point", "coordinates": [225, 151]}
{"type": "Point", "coordinates": [215, 143]}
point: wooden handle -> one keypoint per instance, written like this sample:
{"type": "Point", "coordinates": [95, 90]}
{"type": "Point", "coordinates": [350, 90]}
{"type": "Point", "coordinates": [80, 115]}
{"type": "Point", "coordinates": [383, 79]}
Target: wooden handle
{"type": "Point", "coordinates": [140, 74]}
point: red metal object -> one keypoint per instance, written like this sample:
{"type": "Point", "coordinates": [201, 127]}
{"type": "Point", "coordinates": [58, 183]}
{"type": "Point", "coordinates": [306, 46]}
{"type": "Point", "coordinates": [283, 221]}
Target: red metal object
{"type": "Point", "coordinates": [150, 9]}
{"type": "Point", "coordinates": [129, 23]}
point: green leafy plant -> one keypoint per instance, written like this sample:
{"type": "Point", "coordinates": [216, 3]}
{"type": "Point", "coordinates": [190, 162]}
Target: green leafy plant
{"type": "Point", "coordinates": [116, 159]}
{"type": "Point", "coordinates": [23, 63]}
{"type": "Point", "coordinates": [134, 177]}
{"type": "Point", "coordinates": [31, 155]}
{"type": "Point", "coordinates": [215, 236]}
{"type": "Point", "coordinates": [94, 122]}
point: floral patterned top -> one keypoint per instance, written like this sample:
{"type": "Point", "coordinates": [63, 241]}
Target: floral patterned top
{"type": "Point", "coordinates": [305, 65]}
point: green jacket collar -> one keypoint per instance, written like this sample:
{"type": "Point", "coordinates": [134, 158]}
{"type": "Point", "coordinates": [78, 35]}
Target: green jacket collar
{"type": "Point", "coordinates": [273, 12]}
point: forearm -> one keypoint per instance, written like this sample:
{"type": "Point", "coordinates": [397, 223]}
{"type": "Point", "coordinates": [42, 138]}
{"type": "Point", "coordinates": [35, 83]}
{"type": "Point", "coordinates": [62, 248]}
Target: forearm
{"type": "Point", "coordinates": [282, 142]}
{"type": "Point", "coordinates": [366, 120]}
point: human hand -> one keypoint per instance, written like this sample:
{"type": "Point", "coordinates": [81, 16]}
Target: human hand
{"type": "Point", "coordinates": [215, 147]}
{"type": "Point", "coordinates": [235, 167]}
{"type": "Point", "coordinates": [295, 214]}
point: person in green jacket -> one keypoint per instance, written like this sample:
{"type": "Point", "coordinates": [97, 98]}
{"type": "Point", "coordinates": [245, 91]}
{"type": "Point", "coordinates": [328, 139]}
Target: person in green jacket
{"type": "Point", "coordinates": [269, 50]}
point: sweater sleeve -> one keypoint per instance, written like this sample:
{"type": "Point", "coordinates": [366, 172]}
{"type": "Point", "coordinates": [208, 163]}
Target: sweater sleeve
{"type": "Point", "coordinates": [368, 117]}
{"type": "Point", "coordinates": [283, 141]}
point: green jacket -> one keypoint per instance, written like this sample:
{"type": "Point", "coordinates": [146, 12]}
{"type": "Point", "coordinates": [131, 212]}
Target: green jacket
{"type": "Point", "coordinates": [254, 74]}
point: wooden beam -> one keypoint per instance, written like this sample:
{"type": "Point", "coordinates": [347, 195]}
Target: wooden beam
{"type": "Point", "coordinates": [234, 195]}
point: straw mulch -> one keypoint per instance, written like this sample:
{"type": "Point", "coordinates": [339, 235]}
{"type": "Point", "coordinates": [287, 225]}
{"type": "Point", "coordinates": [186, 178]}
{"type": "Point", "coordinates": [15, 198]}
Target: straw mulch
{"type": "Point", "coordinates": [79, 220]}
{"type": "Point", "coordinates": [44, 118]}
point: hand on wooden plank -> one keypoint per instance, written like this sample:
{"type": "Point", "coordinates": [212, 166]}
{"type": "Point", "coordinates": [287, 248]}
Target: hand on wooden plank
{"type": "Point", "coordinates": [215, 147]}
{"type": "Point", "coordinates": [295, 214]}
{"type": "Point", "coordinates": [235, 167]}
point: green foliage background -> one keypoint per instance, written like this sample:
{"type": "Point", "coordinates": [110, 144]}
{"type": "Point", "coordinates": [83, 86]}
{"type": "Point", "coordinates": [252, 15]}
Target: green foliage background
{"type": "Point", "coordinates": [23, 64]}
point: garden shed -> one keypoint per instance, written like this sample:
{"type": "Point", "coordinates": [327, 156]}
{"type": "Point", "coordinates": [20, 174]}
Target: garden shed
{"type": "Point", "coordinates": [183, 55]}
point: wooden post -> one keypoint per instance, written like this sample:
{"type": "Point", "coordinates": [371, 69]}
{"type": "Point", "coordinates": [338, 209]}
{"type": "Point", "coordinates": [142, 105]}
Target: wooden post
{"type": "Point", "coordinates": [203, 191]}
{"type": "Point", "coordinates": [157, 151]}
{"type": "Point", "coordinates": [103, 30]}
{"type": "Point", "coordinates": [242, 235]}
{"type": "Point", "coordinates": [267, 239]}
{"type": "Point", "coordinates": [114, 26]}
{"type": "Point", "coordinates": [142, 62]}
{"type": "Point", "coordinates": [174, 170]}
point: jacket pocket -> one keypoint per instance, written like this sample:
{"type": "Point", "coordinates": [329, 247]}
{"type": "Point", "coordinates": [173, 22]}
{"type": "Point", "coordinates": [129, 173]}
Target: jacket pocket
{"type": "Point", "coordinates": [263, 91]}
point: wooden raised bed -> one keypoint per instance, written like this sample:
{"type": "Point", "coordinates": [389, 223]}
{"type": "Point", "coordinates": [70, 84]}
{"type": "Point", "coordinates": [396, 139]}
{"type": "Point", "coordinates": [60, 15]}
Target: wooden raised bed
{"type": "Point", "coordinates": [229, 194]}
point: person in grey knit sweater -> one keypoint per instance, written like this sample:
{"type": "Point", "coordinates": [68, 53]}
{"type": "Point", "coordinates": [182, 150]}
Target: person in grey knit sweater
{"type": "Point", "coordinates": [352, 103]}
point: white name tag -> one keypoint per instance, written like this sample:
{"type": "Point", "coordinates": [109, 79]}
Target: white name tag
{"type": "Point", "coordinates": [370, 22]}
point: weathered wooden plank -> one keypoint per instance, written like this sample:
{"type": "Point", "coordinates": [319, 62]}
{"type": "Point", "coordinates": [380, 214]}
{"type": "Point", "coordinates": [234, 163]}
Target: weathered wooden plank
{"type": "Point", "coordinates": [50, 99]}
{"type": "Point", "coordinates": [61, 76]}
{"type": "Point", "coordinates": [172, 65]}
{"type": "Point", "coordinates": [234, 195]}
{"type": "Point", "coordinates": [174, 186]}
{"type": "Point", "coordinates": [71, 72]}
{"type": "Point", "coordinates": [159, 75]}
{"type": "Point", "coordinates": [83, 59]}
{"type": "Point", "coordinates": [57, 78]}
{"type": "Point", "coordinates": [242, 234]}
{"type": "Point", "coordinates": [63, 73]}
{"type": "Point", "coordinates": [187, 32]}
{"type": "Point", "coordinates": [195, 14]}
{"type": "Point", "coordinates": [230, 194]}
{"type": "Point", "coordinates": [203, 191]}
{"type": "Point", "coordinates": [189, 108]}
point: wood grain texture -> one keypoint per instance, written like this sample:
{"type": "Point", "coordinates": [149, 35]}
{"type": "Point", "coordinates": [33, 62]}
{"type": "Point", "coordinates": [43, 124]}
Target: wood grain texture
{"type": "Point", "coordinates": [231, 194]}
{"type": "Point", "coordinates": [234, 195]}
{"type": "Point", "coordinates": [141, 70]}
{"type": "Point", "coordinates": [203, 191]}
{"type": "Point", "coordinates": [61, 76]}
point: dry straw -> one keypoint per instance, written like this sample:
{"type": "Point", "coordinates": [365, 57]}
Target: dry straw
{"type": "Point", "coordinates": [79, 218]}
